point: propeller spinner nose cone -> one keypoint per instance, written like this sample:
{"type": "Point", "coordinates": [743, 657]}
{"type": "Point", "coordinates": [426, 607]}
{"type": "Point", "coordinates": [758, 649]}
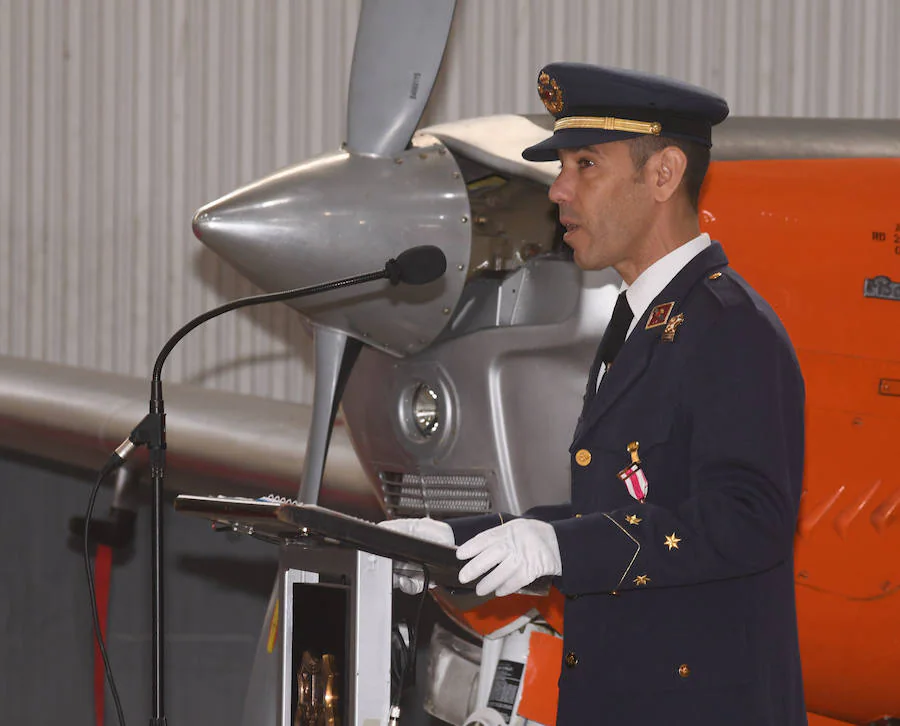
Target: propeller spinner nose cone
{"type": "Point", "coordinates": [341, 215]}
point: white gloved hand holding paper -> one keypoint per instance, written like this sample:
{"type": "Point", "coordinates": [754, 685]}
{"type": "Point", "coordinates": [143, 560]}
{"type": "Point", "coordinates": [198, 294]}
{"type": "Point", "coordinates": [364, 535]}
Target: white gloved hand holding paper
{"type": "Point", "coordinates": [515, 553]}
{"type": "Point", "coordinates": [409, 577]}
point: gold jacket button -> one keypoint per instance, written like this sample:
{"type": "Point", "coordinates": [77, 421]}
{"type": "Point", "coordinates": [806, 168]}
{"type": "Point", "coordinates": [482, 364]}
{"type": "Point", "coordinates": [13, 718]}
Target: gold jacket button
{"type": "Point", "coordinates": [571, 659]}
{"type": "Point", "coordinates": [582, 457]}
{"type": "Point", "coordinates": [683, 670]}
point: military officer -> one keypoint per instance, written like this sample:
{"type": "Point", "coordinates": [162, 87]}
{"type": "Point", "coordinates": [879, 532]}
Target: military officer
{"type": "Point", "coordinates": [675, 551]}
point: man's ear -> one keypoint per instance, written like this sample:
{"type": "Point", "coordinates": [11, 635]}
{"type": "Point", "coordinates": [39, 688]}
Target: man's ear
{"type": "Point", "coordinates": [668, 172]}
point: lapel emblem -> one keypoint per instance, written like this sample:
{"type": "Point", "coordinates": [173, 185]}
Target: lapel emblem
{"type": "Point", "coordinates": [659, 315]}
{"type": "Point", "coordinates": [633, 476]}
{"type": "Point", "coordinates": [672, 328]}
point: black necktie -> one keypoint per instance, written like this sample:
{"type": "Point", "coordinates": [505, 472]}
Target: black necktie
{"type": "Point", "coordinates": [612, 340]}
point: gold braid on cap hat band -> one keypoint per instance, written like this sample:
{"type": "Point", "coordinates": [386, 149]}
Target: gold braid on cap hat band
{"type": "Point", "coordinates": [608, 123]}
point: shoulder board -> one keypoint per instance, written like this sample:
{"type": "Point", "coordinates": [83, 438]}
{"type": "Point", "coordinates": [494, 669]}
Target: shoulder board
{"type": "Point", "coordinates": [726, 287]}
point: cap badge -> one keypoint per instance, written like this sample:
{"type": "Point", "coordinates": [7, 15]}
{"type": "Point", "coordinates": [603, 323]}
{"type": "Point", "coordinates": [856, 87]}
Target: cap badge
{"type": "Point", "coordinates": [672, 328]}
{"type": "Point", "coordinates": [659, 315]}
{"type": "Point", "coordinates": [550, 93]}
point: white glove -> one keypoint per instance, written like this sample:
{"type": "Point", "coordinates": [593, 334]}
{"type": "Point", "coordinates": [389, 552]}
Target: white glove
{"type": "Point", "coordinates": [520, 551]}
{"type": "Point", "coordinates": [410, 577]}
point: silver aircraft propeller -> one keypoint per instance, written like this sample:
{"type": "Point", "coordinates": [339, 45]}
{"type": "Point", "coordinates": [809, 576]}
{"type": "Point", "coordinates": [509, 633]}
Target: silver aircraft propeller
{"type": "Point", "coordinates": [348, 211]}
{"type": "Point", "coordinates": [398, 51]}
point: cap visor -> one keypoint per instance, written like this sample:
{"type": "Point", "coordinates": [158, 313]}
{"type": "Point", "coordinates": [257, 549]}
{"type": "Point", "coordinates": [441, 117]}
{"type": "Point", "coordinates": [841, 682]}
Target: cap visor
{"type": "Point", "coordinates": [548, 149]}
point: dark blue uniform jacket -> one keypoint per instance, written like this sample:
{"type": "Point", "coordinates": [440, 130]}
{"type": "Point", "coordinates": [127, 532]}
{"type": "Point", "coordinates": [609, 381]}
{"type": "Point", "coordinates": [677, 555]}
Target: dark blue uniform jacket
{"type": "Point", "coordinates": [680, 610]}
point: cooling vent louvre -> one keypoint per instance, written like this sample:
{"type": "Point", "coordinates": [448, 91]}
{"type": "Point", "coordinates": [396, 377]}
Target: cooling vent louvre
{"type": "Point", "coordinates": [437, 495]}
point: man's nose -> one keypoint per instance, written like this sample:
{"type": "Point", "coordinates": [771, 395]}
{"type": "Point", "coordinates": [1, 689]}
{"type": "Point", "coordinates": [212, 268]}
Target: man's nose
{"type": "Point", "coordinates": [560, 189]}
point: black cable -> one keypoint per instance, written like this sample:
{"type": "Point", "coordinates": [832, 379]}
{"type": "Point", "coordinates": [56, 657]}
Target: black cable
{"type": "Point", "coordinates": [256, 300]}
{"type": "Point", "coordinates": [107, 469]}
{"type": "Point", "coordinates": [409, 659]}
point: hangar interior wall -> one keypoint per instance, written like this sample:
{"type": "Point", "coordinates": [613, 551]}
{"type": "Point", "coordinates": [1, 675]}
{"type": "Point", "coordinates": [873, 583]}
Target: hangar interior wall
{"type": "Point", "coordinates": [118, 120]}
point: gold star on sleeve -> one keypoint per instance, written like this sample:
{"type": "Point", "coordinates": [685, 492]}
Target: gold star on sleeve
{"type": "Point", "coordinates": [641, 580]}
{"type": "Point", "coordinates": [633, 519]}
{"type": "Point", "coordinates": [672, 541]}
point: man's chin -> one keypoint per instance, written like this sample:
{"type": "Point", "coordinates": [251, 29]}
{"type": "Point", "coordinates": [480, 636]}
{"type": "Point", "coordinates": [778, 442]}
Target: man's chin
{"type": "Point", "coordinates": [588, 264]}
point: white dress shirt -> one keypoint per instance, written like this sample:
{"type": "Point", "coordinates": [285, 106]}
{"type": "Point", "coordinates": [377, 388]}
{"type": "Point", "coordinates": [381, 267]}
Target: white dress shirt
{"type": "Point", "coordinates": [654, 279]}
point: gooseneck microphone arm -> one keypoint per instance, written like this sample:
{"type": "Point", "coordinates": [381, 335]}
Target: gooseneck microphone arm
{"type": "Point", "coordinates": [415, 266]}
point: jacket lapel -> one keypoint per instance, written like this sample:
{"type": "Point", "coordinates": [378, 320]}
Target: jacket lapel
{"type": "Point", "coordinates": [639, 348]}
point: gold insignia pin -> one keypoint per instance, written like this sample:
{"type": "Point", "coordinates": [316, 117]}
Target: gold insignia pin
{"type": "Point", "coordinates": [659, 315]}
{"type": "Point", "coordinates": [550, 92]}
{"type": "Point", "coordinates": [641, 580]}
{"type": "Point", "coordinates": [672, 541]}
{"type": "Point", "coordinates": [715, 276]}
{"type": "Point", "coordinates": [672, 328]}
{"type": "Point", "coordinates": [633, 519]}
{"type": "Point", "coordinates": [582, 457]}
{"type": "Point", "coordinates": [633, 450]}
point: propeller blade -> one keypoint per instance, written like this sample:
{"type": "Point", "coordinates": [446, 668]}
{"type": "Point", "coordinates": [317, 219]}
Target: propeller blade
{"type": "Point", "coordinates": [398, 51]}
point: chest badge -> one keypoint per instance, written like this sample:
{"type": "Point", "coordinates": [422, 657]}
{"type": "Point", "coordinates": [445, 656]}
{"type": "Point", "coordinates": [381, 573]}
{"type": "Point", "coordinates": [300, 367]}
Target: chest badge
{"type": "Point", "coordinates": [672, 327]}
{"type": "Point", "coordinates": [633, 476]}
{"type": "Point", "coordinates": [659, 315]}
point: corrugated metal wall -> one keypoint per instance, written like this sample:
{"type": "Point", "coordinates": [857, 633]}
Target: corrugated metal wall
{"type": "Point", "coordinates": [119, 119]}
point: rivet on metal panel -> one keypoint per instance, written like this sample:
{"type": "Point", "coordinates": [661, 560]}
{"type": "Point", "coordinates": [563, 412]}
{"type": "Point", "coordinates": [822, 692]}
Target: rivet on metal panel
{"type": "Point", "coordinates": [423, 155]}
{"type": "Point", "coordinates": [889, 387]}
{"type": "Point", "coordinates": [398, 161]}
{"type": "Point", "coordinates": [465, 220]}
{"type": "Point", "coordinates": [446, 311]}
{"type": "Point", "coordinates": [460, 268]}
{"type": "Point", "coordinates": [456, 175]}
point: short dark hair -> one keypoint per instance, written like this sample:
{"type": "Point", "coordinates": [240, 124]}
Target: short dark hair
{"type": "Point", "coordinates": [643, 147]}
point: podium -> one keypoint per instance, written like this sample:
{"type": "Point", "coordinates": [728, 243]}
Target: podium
{"type": "Point", "coordinates": [336, 620]}
{"type": "Point", "coordinates": [324, 654]}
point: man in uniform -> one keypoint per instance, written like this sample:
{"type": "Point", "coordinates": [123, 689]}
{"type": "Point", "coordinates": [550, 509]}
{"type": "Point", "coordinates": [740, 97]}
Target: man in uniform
{"type": "Point", "coordinates": [675, 551]}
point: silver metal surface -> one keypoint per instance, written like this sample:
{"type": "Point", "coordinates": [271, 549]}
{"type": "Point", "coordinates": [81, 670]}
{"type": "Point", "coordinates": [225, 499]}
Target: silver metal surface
{"type": "Point", "coordinates": [218, 443]}
{"type": "Point", "coordinates": [398, 51]}
{"type": "Point", "coordinates": [288, 576]}
{"type": "Point", "coordinates": [329, 347]}
{"type": "Point", "coordinates": [509, 387]}
{"type": "Point", "coordinates": [453, 665]}
{"type": "Point", "coordinates": [367, 579]}
{"type": "Point", "coordinates": [340, 215]}
{"type": "Point", "coordinates": [434, 495]}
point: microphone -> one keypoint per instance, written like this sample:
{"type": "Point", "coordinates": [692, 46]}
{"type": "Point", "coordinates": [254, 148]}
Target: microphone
{"type": "Point", "coordinates": [415, 266]}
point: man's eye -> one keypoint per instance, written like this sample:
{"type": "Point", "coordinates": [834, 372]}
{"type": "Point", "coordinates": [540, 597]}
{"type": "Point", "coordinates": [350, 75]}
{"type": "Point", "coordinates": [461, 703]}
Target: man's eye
{"type": "Point", "coordinates": [584, 163]}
